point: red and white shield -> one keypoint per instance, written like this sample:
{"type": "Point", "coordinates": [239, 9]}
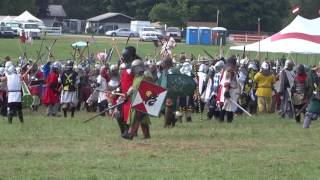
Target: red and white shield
{"type": "Point", "coordinates": [149, 98]}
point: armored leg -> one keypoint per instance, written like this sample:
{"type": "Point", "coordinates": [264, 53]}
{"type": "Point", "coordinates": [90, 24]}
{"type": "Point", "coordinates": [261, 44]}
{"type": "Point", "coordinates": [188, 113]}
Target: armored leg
{"type": "Point", "coordinates": [10, 113]}
{"type": "Point", "coordinates": [308, 118]}
{"type": "Point", "coordinates": [145, 130]}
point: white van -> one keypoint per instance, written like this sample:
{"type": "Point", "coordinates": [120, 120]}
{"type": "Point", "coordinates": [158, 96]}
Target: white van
{"type": "Point", "coordinates": [31, 29]}
{"type": "Point", "coordinates": [149, 30]}
{"type": "Point", "coordinates": [13, 25]}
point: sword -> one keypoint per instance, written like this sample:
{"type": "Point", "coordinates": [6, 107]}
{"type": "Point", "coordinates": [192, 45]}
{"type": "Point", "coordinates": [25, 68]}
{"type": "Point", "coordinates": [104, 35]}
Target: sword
{"type": "Point", "coordinates": [235, 103]}
{"type": "Point", "coordinates": [107, 109]}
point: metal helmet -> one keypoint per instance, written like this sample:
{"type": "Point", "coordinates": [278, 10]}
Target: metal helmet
{"type": "Point", "coordinates": [288, 64]}
{"type": "Point", "coordinates": [218, 66]}
{"type": "Point", "coordinates": [137, 67]}
{"type": "Point", "coordinates": [232, 61]}
{"type": "Point", "coordinates": [265, 66]}
{"type": "Point", "coordinates": [203, 68]}
{"type": "Point", "coordinates": [56, 65]}
{"type": "Point", "coordinates": [253, 66]}
{"type": "Point", "coordinates": [69, 65]}
{"type": "Point", "coordinates": [186, 68]}
{"type": "Point", "coordinates": [129, 54]}
{"type": "Point", "coordinates": [301, 69]}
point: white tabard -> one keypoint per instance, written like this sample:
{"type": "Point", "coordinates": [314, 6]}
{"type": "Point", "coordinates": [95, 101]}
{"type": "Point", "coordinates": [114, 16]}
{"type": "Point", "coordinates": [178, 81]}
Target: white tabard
{"type": "Point", "coordinates": [14, 88]}
{"type": "Point", "coordinates": [102, 88]}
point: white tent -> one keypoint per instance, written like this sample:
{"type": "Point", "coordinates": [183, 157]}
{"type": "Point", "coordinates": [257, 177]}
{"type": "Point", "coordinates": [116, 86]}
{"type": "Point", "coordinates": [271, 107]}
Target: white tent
{"type": "Point", "coordinates": [27, 17]}
{"type": "Point", "coordinates": [9, 18]}
{"type": "Point", "coordinates": [300, 36]}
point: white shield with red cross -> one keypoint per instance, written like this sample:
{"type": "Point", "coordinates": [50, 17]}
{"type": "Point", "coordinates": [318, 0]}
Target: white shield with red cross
{"type": "Point", "coordinates": [149, 98]}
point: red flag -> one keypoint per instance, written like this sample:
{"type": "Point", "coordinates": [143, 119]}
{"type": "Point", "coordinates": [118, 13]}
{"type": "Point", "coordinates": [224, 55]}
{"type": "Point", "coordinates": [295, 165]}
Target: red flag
{"type": "Point", "coordinates": [295, 9]}
{"type": "Point", "coordinates": [149, 98]}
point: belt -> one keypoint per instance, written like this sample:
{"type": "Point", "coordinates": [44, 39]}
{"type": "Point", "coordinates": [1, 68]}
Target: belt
{"type": "Point", "coordinates": [14, 90]}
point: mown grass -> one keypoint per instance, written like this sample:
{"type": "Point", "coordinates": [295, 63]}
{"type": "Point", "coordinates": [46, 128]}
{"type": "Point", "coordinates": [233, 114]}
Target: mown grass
{"type": "Point", "coordinates": [262, 147]}
{"type": "Point", "coordinates": [62, 50]}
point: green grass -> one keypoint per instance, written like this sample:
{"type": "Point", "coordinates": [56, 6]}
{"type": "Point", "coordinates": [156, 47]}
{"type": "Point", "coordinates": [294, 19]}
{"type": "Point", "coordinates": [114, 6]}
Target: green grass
{"type": "Point", "coordinates": [63, 50]}
{"type": "Point", "coordinates": [262, 147]}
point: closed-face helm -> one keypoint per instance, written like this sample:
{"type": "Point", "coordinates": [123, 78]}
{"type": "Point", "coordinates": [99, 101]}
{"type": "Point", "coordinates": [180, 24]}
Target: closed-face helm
{"type": "Point", "coordinates": [56, 66]}
{"type": "Point", "coordinates": [137, 67]}
{"type": "Point", "coordinates": [289, 64]}
{"type": "Point", "coordinates": [218, 66]}
{"type": "Point", "coordinates": [69, 65]}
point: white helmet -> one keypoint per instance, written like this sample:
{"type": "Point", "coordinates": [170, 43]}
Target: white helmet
{"type": "Point", "coordinates": [203, 68]}
{"type": "Point", "coordinates": [56, 65]}
{"type": "Point", "coordinates": [186, 68]}
{"type": "Point", "coordinates": [18, 70]}
{"type": "Point", "coordinates": [288, 64]}
{"type": "Point", "coordinates": [218, 66]}
{"type": "Point", "coordinates": [80, 67]}
{"type": "Point", "coordinates": [265, 66]}
{"type": "Point", "coordinates": [253, 66]}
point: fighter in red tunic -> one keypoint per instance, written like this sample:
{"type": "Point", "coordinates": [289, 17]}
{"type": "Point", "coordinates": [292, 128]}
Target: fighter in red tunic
{"type": "Point", "coordinates": [51, 95]}
{"type": "Point", "coordinates": [126, 80]}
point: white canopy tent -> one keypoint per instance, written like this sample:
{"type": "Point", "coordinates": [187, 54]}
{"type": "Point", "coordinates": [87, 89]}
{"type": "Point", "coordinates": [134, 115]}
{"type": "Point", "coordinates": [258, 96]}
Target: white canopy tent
{"type": "Point", "coordinates": [300, 36]}
{"type": "Point", "coordinates": [27, 17]}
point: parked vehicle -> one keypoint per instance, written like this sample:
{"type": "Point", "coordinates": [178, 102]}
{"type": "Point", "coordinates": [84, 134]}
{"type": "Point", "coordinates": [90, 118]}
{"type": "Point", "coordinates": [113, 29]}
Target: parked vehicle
{"type": "Point", "coordinates": [137, 26]}
{"type": "Point", "coordinates": [31, 29]}
{"type": "Point", "coordinates": [13, 24]}
{"type": "Point", "coordinates": [122, 32]}
{"type": "Point", "coordinates": [174, 32]}
{"type": "Point", "coordinates": [7, 32]}
{"type": "Point", "coordinates": [149, 36]}
{"type": "Point", "coordinates": [104, 28]}
{"type": "Point", "coordinates": [152, 30]}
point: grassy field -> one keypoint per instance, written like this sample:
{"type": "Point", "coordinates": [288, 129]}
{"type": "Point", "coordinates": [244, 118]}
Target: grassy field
{"type": "Point", "coordinates": [261, 147]}
{"type": "Point", "coordinates": [63, 50]}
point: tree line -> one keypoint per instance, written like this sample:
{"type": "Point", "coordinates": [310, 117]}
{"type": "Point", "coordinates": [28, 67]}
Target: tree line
{"type": "Point", "coordinates": [233, 14]}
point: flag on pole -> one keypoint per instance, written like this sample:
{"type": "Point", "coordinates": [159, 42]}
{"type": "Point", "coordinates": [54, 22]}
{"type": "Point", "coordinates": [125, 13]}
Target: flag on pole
{"type": "Point", "coordinates": [149, 98]}
{"type": "Point", "coordinates": [295, 9]}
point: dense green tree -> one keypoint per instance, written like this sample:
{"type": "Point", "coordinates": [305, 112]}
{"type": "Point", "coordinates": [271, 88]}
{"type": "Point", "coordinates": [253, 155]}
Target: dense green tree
{"type": "Point", "coordinates": [16, 7]}
{"type": "Point", "coordinates": [42, 8]}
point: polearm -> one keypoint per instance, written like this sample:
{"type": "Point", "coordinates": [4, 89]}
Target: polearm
{"type": "Point", "coordinates": [37, 60]}
{"type": "Point", "coordinates": [107, 109]}
{"type": "Point", "coordinates": [127, 41]}
{"type": "Point", "coordinates": [114, 44]}
{"type": "Point", "coordinates": [235, 103]}
{"type": "Point", "coordinates": [208, 54]}
{"type": "Point", "coordinates": [49, 49]}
